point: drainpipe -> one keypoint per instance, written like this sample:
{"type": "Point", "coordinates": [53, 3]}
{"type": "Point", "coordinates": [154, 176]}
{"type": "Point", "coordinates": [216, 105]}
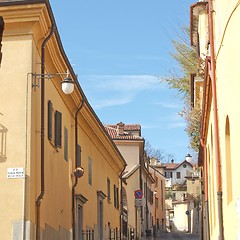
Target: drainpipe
{"type": "Point", "coordinates": [121, 200]}
{"type": "Point", "coordinates": [40, 197]}
{"type": "Point", "coordinates": [78, 172]}
{"type": "Point", "coordinates": [215, 117]}
{"type": "Point", "coordinates": [207, 234]}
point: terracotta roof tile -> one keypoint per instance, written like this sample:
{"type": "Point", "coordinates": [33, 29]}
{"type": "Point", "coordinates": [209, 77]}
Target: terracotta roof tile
{"type": "Point", "coordinates": [171, 165]}
{"type": "Point", "coordinates": [127, 127]}
{"type": "Point", "coordinates": [113, 131]}
{"type": "Point", "coordinates": [175, 165]}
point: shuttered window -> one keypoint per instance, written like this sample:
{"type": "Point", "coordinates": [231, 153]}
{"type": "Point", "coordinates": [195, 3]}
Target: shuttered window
{"type": "Point", "coordinates": [108, 189]}
{"type": "Point", "coordinates": [79, 156]}
{"type": "Point", "coordinates": [65, 144]}
{"type": "Point", "coordinates": [116, 197]}
{"type": "Point", "coordinates": [58, 129]}
{"type": "Point", "coordinates": [89, 171]}
{"type": "Point", "coordinates": [50, 114]}
{"type": "Point", "coordinates": [1, 34]}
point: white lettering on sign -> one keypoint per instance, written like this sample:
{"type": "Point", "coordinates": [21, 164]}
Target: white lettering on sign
{"type": "Point", "coordinates": [15, 173]}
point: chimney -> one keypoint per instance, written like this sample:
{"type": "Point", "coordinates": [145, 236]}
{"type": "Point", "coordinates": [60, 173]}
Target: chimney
{"type": "Point", "coordinates": [153, 161]}
{"type": "Point", "coordinates": [120, 128]}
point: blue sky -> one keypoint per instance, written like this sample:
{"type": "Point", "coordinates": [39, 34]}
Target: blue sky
{"type": "Point", "coordinates": [120, 50]}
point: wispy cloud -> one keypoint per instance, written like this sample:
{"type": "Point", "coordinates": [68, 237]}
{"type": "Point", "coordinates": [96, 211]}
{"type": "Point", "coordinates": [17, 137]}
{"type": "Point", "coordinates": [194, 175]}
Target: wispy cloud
{"type": "Point", "coordinates": [108, 102]}
{"type": "Point", "coordinates": [176, 125]}
{"type": "Point", "coordinates": [169, 105]}
{"type": "Point", "coordinates": [110, 90]}
{"type": "Point", "coordinates": [124, 82]}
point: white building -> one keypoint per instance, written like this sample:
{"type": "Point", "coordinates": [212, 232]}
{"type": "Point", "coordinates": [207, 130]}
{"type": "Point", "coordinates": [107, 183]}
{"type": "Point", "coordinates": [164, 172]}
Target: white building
{"type": "Point", "coordinates": [175, 173]}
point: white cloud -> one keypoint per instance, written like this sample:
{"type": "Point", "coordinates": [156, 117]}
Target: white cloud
{"type": "Point", "coordinates": [169, 105]}
{"type": "Point", "coordinates": [124, 82]}
{"type": "Point", "coordinates": [98, 104]}
{"type": "Point", "coordinates": [176, 125]}
{"type": "Point", "coordinates": [110, 90]}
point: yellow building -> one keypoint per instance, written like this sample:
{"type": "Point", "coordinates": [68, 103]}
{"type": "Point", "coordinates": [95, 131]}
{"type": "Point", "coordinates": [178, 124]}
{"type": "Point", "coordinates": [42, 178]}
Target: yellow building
{"type": "Point", "coordinates": [158, 189]}
{"type": "Point", "coordinates": [48, 138]}
{"type": "Point", "coordinates": [213, 32]}
{"type": "Point", "coordinates": [137, 176]}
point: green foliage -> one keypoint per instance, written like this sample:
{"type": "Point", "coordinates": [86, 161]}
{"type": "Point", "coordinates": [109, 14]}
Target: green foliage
{"type": "Point", "coordinates": [179, 79]}
{"type": "Point", "coordinates": [168, 194]}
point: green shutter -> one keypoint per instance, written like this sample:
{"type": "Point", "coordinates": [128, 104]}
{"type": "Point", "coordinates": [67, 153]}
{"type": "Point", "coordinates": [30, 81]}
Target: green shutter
{"type": "Point", "coordinates": [58, 129]}
{"type": "Point", "coordinates": [65, 144]}
{"type": "Point", "coordinates": [50, 120]}
{"type": "Point", "coordinates": [1, 34]}
{"type": "Point", "coordinates": [89, 171]}
{"type": "Point", "coordinates": [78, 156]}
{"type": "Point", "coordinates": [108, 189]}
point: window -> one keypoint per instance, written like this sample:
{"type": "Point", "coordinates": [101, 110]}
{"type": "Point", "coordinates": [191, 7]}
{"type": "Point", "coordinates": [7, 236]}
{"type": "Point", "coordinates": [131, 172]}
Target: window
{"type": "Point", "coordinates": [50, 114]}
{"type": "Point", "coordinates": [156, 199]}
{"type": "Point", "coordinates": [108, 189]}
{"type": "Point", "coordinates": [55, 126]}
{"type": "Point", "coordinates": [89, 171]}
{"type": "Point", "coordinates": [65, 144]}
{"type": "Point", "coordinates": [168, 174]}
{"type": "Point", "coordinates": [178, 175]}
{"type": "Point", "coordinates": [116, 197]}
{"type": "Point", "coordinates": [156, 181]}
{"type": "Point", "coordinates": [78, 156]}
{"type": "Point", "coordinates": [1, 34]}
{"type": "Point", "coordinates": [145, 189]}
{"type": "Point", "coordinates": [58, 129]}
{"type": "Point", "coordinates": [174, 196]}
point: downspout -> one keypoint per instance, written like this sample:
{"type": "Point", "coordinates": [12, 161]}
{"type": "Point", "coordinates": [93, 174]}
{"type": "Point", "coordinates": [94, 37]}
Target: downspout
{"type": "Point", "coordinates": [141, 188]}
{"type": "Point", "coordinates": [215, 117]}
{"type": "Point", "coordinates": [121, 201]}
{"type": "Point", "coordinates": [76, 168]}
{"type": "Point", "coordinates": [40, 197]}
{"type": "Point", "coordinates": [206, 190]}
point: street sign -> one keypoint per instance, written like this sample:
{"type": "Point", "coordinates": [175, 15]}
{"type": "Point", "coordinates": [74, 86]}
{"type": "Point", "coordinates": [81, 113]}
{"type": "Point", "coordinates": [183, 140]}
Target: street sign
{"type": "Point", "coordinates": [138, 202]}
{"type": "Point", "coordinates": [15, 173]}
{"type": "Point", "coordinates": [138, 194]}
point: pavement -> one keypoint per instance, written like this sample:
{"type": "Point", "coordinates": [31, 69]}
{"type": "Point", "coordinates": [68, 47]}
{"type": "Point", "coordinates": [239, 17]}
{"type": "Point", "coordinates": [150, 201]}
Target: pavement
{"type": "Point", "coordinates": [174, 236]}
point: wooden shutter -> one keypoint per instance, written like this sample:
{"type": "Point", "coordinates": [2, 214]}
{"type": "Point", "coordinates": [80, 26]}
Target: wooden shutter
{"type": "Point", "coordinates": [116, 200]}
{"type": "Point", "coordinates": [89, 171]}
{"type": "Point", "coordinates": [1, 34]}
{"type": "Point", "coordinates": [50, 120]}
{"type": "Point", "coordinates": [114, 191]}
{"type": "Point", "coordinates": [65, 144]}
{"type": "Point", "coordinates": [58, 129]}
{"type": "Point", "coordinates": [108, 189]}
{"type": "Point", "coordinates": [79, 156]}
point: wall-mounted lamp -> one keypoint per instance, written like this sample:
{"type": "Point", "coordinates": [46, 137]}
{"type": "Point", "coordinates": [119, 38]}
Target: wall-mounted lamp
{"type": "Point", "coordinates": [67, 83]}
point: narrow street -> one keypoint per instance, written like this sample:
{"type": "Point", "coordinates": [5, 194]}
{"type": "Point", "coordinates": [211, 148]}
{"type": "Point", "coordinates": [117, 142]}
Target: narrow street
{"type": "Point", "coordinates": [182, 236]}
{"type": "Point", "coordinates": [173, 236]}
